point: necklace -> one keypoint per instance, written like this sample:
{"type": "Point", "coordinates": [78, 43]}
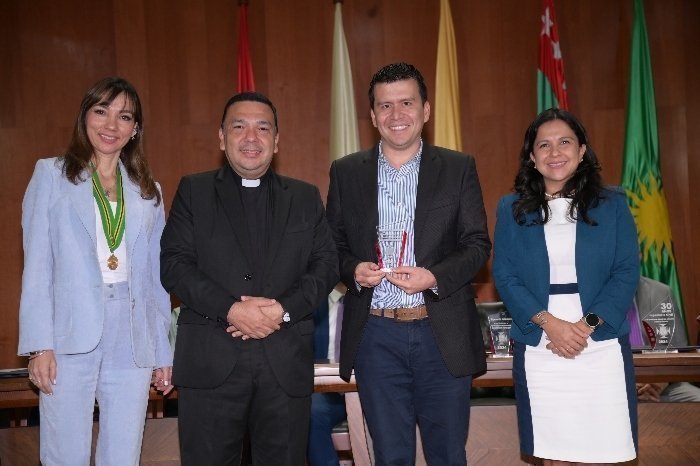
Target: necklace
{"type": "Point", "coordinates": [549, 197]}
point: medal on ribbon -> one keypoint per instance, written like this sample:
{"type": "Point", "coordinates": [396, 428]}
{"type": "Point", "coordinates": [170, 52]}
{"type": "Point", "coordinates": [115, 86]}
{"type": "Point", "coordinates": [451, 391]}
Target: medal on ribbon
{"type": "Point", "coordinates": [113, 222]}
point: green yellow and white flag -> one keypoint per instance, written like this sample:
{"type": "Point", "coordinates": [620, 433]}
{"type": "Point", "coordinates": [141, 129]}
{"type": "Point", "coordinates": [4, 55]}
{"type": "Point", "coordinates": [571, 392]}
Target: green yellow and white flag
{"type": "Point", "coordinates": [448, 131]}
{"type": "Point", "coordinates": [641, 170]}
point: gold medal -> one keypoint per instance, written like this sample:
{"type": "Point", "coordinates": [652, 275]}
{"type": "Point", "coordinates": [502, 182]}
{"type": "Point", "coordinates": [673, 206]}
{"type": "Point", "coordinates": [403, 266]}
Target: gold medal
{"type": "Point", "coordinates": [112, 262]}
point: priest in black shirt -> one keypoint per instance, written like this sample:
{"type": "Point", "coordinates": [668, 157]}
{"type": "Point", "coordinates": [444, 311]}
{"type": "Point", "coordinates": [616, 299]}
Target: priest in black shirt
{"type": "Point", "coordinates": [249, 254]}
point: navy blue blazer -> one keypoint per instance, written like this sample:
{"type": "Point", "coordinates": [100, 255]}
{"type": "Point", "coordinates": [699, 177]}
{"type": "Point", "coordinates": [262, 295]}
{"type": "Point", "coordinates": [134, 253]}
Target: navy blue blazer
{"type": "Point", "coordinates": [607, 266]}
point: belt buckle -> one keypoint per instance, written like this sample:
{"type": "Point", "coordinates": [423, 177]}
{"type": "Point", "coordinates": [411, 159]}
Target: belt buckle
{"type": "Point", "coordinates": [399, 316]}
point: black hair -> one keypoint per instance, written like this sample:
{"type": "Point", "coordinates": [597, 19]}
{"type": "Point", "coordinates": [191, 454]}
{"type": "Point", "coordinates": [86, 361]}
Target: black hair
{"type": "Point", "coordinates": [250, 97]}
{"type": "Point", "coordinates": [398, 72]}
{"type": "Point", "coordinates": [584, 187]}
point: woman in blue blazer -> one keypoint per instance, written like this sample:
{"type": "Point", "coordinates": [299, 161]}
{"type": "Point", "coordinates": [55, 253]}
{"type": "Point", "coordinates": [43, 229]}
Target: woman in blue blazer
{"type": "Point", "coordinates": [94, 317]}
{"type": "Point", "coordinates": [566, 264]}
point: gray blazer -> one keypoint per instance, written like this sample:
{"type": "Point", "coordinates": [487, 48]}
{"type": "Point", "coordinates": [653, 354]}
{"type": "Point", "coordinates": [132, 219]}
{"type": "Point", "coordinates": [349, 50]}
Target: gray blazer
{"type": "Point", "coordinates": [62, 305]}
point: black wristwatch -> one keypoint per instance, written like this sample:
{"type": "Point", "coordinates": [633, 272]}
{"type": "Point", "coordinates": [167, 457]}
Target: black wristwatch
{"type": "Point", "coordinates": [592, 320]}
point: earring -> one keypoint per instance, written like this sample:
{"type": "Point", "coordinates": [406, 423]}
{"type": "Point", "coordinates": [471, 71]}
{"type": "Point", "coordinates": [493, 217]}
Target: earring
{"type": "Point", "coordinates": [133, 136]}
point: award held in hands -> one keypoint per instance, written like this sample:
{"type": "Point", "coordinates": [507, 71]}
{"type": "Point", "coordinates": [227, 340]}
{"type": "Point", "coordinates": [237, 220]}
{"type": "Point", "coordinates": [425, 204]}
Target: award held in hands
{"type": "Point", "coordinates": [391, 246]}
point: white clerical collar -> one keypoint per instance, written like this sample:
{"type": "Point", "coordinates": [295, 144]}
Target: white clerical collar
{"type": "Point", "coordinates": [250, 183]}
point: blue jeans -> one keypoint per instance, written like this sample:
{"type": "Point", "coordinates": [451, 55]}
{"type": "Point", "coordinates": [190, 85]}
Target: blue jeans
{"type": "Point", "coordinates": [403, 381]}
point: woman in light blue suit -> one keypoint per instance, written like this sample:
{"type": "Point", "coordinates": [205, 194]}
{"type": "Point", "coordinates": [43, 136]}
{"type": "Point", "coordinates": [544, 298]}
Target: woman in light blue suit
{"type": "Point", "coordinates": [94, 317]}
{"type": "Point", "coordinates": [566, 264]}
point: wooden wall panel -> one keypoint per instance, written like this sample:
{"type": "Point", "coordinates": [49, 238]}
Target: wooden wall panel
{"type": "Point", "coordinates": [181, 55]}
{"type": "Point", "coordinates": [687, 245]}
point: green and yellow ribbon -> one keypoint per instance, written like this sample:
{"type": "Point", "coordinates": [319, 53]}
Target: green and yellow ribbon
{"type": "Point", "coordinates": [113, 223]}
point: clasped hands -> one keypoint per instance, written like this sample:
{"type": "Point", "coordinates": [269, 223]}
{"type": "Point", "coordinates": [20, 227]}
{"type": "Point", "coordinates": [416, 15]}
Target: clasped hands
{"type": "Point", "coordinates": [254, 317]}
{"type": "Point", "coordinates": [411, 280]}
{"type": "Point", "coordinates": [566, 339]}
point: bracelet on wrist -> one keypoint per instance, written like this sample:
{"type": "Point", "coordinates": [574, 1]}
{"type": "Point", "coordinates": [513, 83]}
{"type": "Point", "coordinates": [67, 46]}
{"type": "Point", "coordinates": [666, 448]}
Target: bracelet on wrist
{"type": "Point", "coordinates": [540, 318]}
{"type": "Point", "coordinates": [36, 354]}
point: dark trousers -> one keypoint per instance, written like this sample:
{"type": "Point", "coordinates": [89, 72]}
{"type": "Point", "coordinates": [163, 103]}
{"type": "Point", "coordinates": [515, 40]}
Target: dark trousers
{"type": "Point", "coordinates": [403, 381]}
{"type": "Point", "coordinates": [327, 411]}
{"type": "Point", "coordinates": [212, 422]}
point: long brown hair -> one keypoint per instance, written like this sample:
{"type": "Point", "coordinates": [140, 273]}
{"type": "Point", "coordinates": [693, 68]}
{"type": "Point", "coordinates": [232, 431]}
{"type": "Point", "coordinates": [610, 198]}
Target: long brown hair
{"type": "Point", "coordinates": [76, 160]}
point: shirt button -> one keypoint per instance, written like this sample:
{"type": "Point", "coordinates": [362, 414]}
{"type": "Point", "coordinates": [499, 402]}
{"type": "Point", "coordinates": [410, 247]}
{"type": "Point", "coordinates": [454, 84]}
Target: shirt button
{"type": "Point", "coordinates": [110, 285]}
{"type": "Point", "coordinates": [247, 277]}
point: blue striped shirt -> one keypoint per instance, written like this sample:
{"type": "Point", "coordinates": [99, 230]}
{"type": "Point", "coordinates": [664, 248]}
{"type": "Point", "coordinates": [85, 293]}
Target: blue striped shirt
{"type": "Point", "coordinates": [396, 199]}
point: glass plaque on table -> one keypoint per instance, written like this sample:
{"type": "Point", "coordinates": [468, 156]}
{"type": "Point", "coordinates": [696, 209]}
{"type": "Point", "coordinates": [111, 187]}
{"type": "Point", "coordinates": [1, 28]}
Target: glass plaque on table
{"type": "Point", "coordinates": [391, 246]}
{"type": "Point", "coordinates": [500, 324]}
{"type": "Point", "coordinates": [659, 325]}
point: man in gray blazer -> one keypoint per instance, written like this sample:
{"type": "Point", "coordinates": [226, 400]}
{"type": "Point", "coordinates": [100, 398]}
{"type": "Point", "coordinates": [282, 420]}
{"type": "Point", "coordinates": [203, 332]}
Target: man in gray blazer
{"type": "Point", "coordinates": [250, 255]}
{"type": "Point", "coordinates": [409, 222]}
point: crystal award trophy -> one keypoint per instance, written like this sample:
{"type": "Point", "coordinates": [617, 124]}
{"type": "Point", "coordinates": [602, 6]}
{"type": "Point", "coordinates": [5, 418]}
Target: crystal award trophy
{"type": "Point", "coordinates": [500, 324]}
{"type": "Point", "coordinates": [391, 246]}
{"type": "Point", "coordinates": [660, 325]}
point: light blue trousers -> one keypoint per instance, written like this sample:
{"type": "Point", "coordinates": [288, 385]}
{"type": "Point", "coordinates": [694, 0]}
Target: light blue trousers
{"type": "Point", "coordinates": [109, 375]}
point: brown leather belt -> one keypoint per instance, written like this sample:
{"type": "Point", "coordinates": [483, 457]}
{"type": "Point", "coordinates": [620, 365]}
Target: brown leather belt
{"type": "Point", "coordinates": [402, 314]}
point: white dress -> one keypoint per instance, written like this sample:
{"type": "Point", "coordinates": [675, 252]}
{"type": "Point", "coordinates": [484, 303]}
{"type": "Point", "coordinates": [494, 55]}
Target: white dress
{"type": "Point", "coordinates": [579, 406]}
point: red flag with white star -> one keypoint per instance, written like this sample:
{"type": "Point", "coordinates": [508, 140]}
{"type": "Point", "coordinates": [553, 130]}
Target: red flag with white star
{"type": "Point", "coordinates": [551, 87]}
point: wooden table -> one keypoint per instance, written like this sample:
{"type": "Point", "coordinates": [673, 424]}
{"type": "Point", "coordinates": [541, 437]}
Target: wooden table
{"type": "Point", "coordinates": [18, 393]}
{"type": "Point", "coordinates": [649, 367]}
{"type": "Point", "coordinates": [667, 431]}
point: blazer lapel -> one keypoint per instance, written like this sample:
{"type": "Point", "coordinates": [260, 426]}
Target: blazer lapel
{"type": "Point", "coordinates": [134, 211]}
{"type": "Point", "coordinates": [230, 199]}
{"type": "Point", "coordinates": [534, 241]}
{"type": "Point", "coordinates": [281, 202]}
{"type": "Point", "coordinates": [428, 176]}
{"type": "Point", "coordinates": [81, 195]}
{"type": "Point", "coordinates": [367, 202]}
